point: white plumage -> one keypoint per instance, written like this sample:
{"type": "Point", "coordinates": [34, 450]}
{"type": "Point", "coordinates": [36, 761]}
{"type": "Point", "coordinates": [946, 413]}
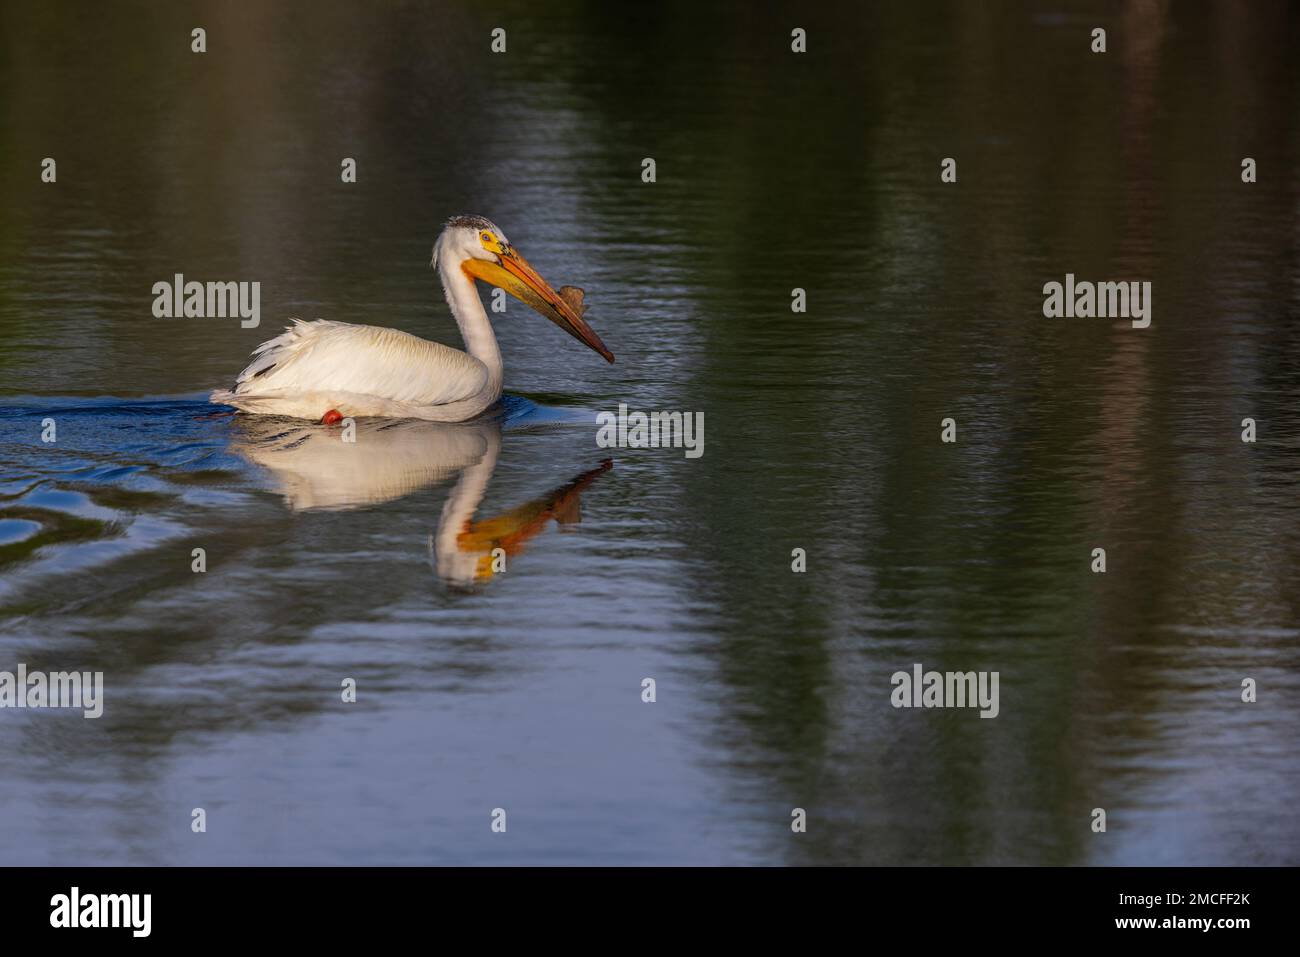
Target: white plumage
{"type": "Point", "coordinates": [357, 370]}
{"type": "Point", "coordinates": [328, 369]}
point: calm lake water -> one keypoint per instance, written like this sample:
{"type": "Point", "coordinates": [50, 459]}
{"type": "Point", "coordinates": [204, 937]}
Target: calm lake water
{"type": "Point", "coordinates": [522, 690]}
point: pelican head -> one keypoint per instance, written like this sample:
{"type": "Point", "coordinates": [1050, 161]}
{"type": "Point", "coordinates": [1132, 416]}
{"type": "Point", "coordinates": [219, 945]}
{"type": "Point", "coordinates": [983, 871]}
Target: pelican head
{"type": "Point", "coordinates": [482, 251]}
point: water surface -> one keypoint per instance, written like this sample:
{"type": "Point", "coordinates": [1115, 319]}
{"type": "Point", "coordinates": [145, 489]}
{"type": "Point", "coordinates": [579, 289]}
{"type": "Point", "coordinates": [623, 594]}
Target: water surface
{"type": "Point", "coordinates": [522, 689]}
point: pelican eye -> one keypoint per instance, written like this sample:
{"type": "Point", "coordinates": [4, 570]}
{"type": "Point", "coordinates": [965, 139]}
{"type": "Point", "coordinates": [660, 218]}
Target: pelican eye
{"type": "Point", "coordinates": [486, 237]}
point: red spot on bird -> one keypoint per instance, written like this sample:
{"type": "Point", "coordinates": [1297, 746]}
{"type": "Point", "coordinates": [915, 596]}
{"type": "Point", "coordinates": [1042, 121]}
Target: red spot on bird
{"type": "Point", "coordinates": [330, 417]}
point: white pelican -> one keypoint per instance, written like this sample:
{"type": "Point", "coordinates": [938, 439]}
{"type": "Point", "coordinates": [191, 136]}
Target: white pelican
{"type": "Point", "coordinates": [328, 370]}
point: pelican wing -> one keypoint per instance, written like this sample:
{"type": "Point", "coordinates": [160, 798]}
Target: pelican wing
{"type": "Point", "coordinates": [324, 357]}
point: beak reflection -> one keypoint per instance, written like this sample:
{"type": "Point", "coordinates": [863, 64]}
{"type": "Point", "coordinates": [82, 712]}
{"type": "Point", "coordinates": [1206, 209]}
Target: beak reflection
{"type": "Point", "coordinates": [314, 471]}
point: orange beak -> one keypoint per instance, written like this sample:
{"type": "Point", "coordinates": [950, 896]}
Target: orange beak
{"type": "Point", "coordinates": [513, 274]}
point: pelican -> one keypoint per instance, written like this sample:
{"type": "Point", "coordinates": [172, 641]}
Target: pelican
{"type": "Point", "coordinates": [328, 370]}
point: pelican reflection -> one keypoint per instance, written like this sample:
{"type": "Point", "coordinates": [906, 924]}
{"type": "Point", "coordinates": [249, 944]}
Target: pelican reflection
{"type": "Point", "coordinates": [314, 469]}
